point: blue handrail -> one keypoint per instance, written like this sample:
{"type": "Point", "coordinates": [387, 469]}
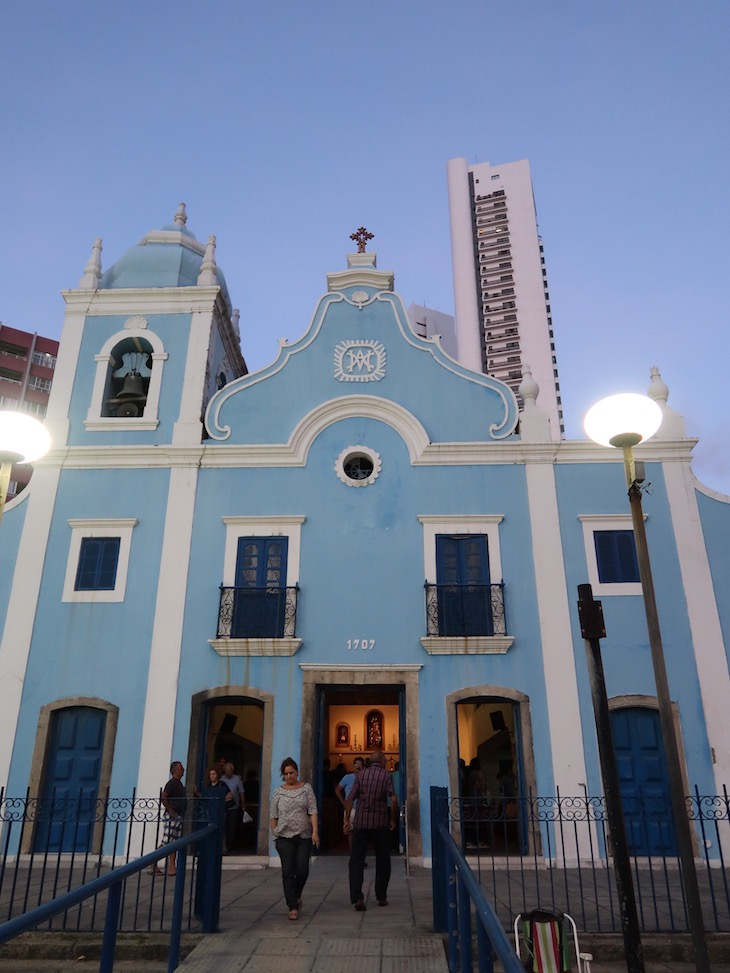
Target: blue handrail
{"type": "Point", "coordinates": [453, 901]}
{"type": "Point", "coordinates": [114, 880]}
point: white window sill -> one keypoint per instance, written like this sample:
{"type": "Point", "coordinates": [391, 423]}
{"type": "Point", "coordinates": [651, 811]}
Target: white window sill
{"type": "Point", "coordinates": [272, 647]}
{"type": "Point", "coordinates": [467, 645]}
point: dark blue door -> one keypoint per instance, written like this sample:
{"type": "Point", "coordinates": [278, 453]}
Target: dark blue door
{"type": "Point", "coordinates": [644, 781]}
{"type": "Point", "coordinates": [260, 597]}
{"type": "Point", "coordinates": [462, 576]}
{"type": "Point", "coordinates": [68, 807]}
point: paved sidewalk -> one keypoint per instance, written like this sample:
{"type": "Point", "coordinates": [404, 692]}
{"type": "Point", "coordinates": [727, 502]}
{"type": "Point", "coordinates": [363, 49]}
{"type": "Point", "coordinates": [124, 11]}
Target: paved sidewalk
{"type": "Point", "coordinates": [256, 935]}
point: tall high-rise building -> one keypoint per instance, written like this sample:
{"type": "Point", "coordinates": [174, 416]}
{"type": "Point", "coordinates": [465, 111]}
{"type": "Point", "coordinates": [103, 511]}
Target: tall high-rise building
{"type": "Point", "coordinates": [501, 297]}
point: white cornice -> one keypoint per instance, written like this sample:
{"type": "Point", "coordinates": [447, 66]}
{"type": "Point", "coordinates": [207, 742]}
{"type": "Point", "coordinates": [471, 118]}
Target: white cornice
{"type": "Point", "coordinates": [122, 457]}
{"type": "Point", "coordinates": [141, 300]}
{"type": "Point", "coordinates": [361, 277]}
{"type": "Point", "coordinates": [294, 453]}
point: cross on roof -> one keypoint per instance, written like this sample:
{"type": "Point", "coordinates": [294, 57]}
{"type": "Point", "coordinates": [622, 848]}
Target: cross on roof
{"type": "Point", "coordinates": [361, 237]}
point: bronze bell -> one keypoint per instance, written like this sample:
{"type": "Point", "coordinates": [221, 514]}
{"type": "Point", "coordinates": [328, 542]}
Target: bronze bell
{"type": "Point", "coordinates": [131, 397]}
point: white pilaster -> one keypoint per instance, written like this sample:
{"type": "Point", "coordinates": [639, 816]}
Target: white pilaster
{"type": "Point", "coordinates": [704, 619]}
{"type": "Point", "coordinates": [22, 607]}
{"type": "Point", "coordinates": [561, 683]}
{"type": "Point", "coordinates": [188, 428]}
{"type": "Point", "coordinates": [167, 633]}
{"type": "Point", "coordinates": [59, 402]}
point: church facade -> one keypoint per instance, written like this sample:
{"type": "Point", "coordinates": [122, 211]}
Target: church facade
{"type": "Point", "coordinates": [362, 546]}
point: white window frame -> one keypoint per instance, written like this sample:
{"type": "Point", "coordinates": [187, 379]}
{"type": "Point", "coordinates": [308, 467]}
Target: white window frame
{"type": "Point", "coordinates": [591, 523]}
{"type": "Point", "coordinates": [80, 530]}
{"type": "Point", "coordinates": [459, 524]}
{"type": "Point", "coordinates": [289, 526]}
{"type": "Point", "coordinates": [487, 524]}
{"type": "Point", "coordinates": [95, 421]}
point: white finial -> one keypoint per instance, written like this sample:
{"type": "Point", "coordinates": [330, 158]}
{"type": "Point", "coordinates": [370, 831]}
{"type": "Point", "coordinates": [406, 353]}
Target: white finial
{"type": "Point", "coordinates": [657, 389]}
{"type": "Point", "coordinates": [672, 426]}
{"type": "Point", "coordinates": [181, 217]}
{"type": "Point", "coordinates": [235, 318]}
{"type": "Point", "coordinates": [534, 421]}
{"type": "Point", "coordinates": [207, 277]}
{"type": "Point", "coordinates": [92, 270]}
{"type": "Point", "coordinates": [528, 388]}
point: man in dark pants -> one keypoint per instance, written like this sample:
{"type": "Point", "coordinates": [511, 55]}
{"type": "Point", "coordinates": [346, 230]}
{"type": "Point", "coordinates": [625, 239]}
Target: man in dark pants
{"type": "Point", "coordinates": [374, 820]}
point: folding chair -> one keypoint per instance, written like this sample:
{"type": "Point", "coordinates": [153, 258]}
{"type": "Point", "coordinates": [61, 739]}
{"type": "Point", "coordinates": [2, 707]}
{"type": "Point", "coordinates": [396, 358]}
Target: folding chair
{"type": "Point", "coordinates": [545, 937]}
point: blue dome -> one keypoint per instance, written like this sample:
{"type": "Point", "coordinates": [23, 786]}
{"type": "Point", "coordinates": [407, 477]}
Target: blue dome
{"type": "Point", "coordinates": [170, 257]}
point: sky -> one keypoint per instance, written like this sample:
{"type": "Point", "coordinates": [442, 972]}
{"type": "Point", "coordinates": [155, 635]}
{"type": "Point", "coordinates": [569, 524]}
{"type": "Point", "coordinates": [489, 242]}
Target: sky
{"type": "Point", "coordinates": [284, 126]}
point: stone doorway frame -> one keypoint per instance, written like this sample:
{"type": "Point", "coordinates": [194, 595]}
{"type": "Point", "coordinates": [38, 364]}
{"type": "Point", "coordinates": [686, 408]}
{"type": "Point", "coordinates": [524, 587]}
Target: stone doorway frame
{"type": "Point", "coordinates": [242, 694]}
{"type": "Point", "coordinates": [316, 676]}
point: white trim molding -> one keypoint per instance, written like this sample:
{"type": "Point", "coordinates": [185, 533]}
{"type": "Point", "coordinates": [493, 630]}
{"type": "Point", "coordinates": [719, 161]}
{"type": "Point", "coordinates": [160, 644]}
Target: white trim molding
{"type": "Point", "coordinates": [434, 524]}
{"type": "Point", "coordinates": [287, 525]}
{"type": "Point", "coordinates": [95, 420]}
{"type": "Point", "coordinates": [82, 529]}
{"type": "Point", "coordinates": [591, 523]}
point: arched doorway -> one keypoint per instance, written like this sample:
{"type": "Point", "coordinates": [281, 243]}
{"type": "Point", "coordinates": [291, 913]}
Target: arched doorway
{"type": "Point", "coordinates": [643, 780]}
{"type": "Point", "coordinates": [491, 766]}
{"type": "Point", "coordinates": [235, 724]}
{"type": "Point", "coordinates": [70, 774]}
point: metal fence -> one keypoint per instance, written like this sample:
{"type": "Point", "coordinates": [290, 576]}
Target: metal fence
{"type": "Point", "coordinates": [554, 853]}
{"type": "Point", "coordinates": [52, 847]}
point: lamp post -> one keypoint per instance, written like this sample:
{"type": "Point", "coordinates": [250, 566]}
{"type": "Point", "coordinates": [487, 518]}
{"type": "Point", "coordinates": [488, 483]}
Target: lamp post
{"type": "Point", "coordinates": [593, 629]}
{"type": "Point", "coordinates": [23, 439]}
{"type": "Point", "coordinates": [624, 421]}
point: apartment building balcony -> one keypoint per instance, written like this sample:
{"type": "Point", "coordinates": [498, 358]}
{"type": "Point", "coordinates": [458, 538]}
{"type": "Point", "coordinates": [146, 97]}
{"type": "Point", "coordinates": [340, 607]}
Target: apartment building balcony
{"type": "Point", "coordinates": [257, 621]}
{"type": "Point", "coordinates": [466, 619]}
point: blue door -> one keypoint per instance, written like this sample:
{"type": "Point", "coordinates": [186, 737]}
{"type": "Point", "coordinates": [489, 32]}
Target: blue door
{"type": "Point", "coordinates": [68, 806]}
{"type": "Point", "coordinates": [462, 576]}
{"type": "Point", "coordinates": [260, 597]}
{"type": "Point", "coordinates": [644, 781]}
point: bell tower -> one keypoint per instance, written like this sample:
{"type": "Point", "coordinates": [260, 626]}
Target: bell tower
{"type": "Point", "coordinates": [145, 344]}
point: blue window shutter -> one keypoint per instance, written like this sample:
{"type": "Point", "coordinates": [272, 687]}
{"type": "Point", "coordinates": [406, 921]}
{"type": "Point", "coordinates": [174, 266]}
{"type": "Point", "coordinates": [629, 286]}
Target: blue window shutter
{"type": "Point", "coordinates": [616, 556]}
{"type": "Point", "coordinates": [260, 583]}
{"type": "Point", "coordinates": [462, 577]}
{"type": "Point", "coordinates": [98, 559]}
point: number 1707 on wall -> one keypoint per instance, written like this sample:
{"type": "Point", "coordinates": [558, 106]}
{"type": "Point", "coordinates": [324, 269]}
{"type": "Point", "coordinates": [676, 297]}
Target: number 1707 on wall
{"type": "Point", "coordinates": [361, 645]}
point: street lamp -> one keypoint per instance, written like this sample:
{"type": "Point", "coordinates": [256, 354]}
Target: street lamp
{"type": "Point", "coordinates": [624, 421]}
{"type": "Point", "coordinates": [23, 439]}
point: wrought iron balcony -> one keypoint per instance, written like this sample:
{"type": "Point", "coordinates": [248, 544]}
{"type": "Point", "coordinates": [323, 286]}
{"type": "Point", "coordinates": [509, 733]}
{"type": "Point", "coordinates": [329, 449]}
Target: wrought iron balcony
{"type": "Point", "coordinates": [257, 613]}
{"type": "Point", "coordinates": [465, 609]}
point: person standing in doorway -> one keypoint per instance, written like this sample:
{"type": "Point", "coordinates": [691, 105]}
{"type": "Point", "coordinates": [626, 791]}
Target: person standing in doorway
{"type": "Point", "coordinates": [376, 816]}
{"type": "Point", "coordinates": [234, 808]}
{"type": "Point", "coordinates": [295, 828]}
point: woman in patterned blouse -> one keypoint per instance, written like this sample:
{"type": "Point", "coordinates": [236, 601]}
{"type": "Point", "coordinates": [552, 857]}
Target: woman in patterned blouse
{"type": "Point", "coordinates": [295, 827]}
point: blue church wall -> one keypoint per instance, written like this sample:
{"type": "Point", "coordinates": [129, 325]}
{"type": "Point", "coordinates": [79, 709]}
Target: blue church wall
{"type": "Point", "coordinates": [426, 384]}
{"type": "Point", "coordinates": [625, 651]}
{"type": "Point", "coordinates": [13, 521]}
{"type": "Point", "coordinates": [715, 518]}
{"type": "Point", "coordinates": [90, 649]}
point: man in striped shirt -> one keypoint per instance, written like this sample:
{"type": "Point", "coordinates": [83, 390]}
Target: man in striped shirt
{"type": "Point", "coordinates": [376, 816]}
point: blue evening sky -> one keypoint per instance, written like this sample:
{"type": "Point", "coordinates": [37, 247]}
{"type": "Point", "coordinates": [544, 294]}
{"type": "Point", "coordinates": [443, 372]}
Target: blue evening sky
{"type": "Point", "coordinates": [286, 125]}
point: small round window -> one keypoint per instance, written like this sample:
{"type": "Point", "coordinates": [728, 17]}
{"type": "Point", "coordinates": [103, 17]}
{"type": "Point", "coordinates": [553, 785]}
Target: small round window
{"type": "Point", "coordinates": [358, 466]}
